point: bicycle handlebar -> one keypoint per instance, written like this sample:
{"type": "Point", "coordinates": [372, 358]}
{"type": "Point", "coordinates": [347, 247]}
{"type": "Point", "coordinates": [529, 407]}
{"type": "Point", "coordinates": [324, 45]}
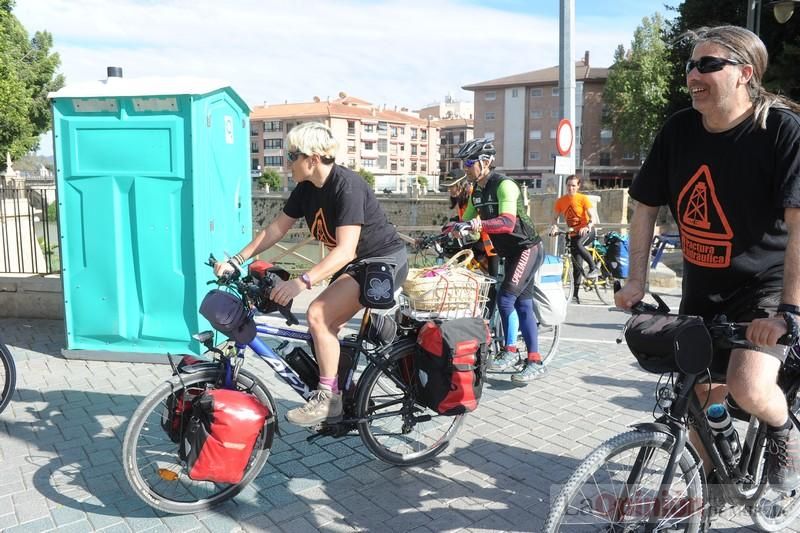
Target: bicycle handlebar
{"type": "Point", "coordinates": [253, 290]}
{"type": "Point", "coordinates": [464, 230]}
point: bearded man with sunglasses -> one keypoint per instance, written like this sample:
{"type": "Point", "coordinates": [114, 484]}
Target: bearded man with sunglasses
{"type": "Point", "coordinates": [729, 170]}
{"type": "Point", "coordinates": [495, 208]}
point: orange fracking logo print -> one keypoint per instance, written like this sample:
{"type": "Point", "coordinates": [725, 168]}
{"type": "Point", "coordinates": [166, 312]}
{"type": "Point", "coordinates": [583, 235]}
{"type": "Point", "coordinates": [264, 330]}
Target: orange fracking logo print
{"type": "Point", "coordinates": [705, 232]}
{"type": "Point", "coordinates": [319, 230]}
{"type": "Point", "coordinates": [571, 217]}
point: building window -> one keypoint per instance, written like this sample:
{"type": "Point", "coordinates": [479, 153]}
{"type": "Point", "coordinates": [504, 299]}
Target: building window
{"type": "Point", "coordinates": [555, 91]}
{"type": "Point", "coordinates": [552, 134]}
{"type": "Point", "coordinates": [423, 151]}
{"type": "Point", "coordinates": [351, 127]}
{"type": "Point", "coordinates": [605, 159]}
{"type": "Point", "coordinates": [383, 144]}
{"type": "Point", "coordinates": [253, 147]}
{"type": "Point", "coordinates": [536, 115]}
{"type": "Point", "coordinates": [423, 167]}
{"type": "Point", "coordinates": [536, 183]}
{"type": "Point", "coordinates": [369, 128]}
{"type": "Point", "coordinates": [393, 168]}
{"type": "Point", "coordinates": [413, 134]}
{"type": "Point", "coordinates": [351, 146]}
{"type": "Point", "coordinates": [413, 149]}
{"type": "Point", "coordinates": [393, 131]}
{"type": "Point", "coordinates": [402, 147]}
{"type": "Point", "coordinates": [555, 113]}
{"type": "Point", "coordinates": [368, 145]}
{"type": "Point", "coordinates": [423, 134]}
{"type": "Point", "coordinates": [514, 93]}
{"type": "Point", "coordinates": [490, 95]}
{"type": "Point", "coordinates": [401, 130]}
{"type": "Point", "coordinates": [351, 163]}
{"type": "Point", "coordinates": [254, 164]}
{"type": "Point", "coordinates": [535, 135]}
{"type": "Point", "coordinates": [273, 144]}
{"type": "Point", "coordinates": [606, 136]}
{"type": "Point", "coordinates": [488, 135]}
{"type": "Point", "coordinates": [383, 127]}
{"type": "Point", "coordinates": [393, 149]}
{"type": "Point", "coordinates": [413, 166]}
{"type": "Point", "coordinates": [535, 156]}
{"type": "Point", "coordinates": [629, 156]}
{"type": "Point", "coordinates": [367, 163]}
{"type": "Point", "coordinates": [489, 115]}
{"type": "Point", "coordinates": [273, 161]}
{"type": "Point", "coordinates": [253, 129]}
{"type": "Point", "coordinates": [382, 160]}
{"type": "Point", "coordinates": [402, 163]}
{"type": "Point", "coordinates": [272, 125]}
{"type": "Point", "coordinates": [536, 92]}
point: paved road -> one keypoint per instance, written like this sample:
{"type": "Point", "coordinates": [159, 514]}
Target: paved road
{"type": "Point", "coordinates": [60, 445]}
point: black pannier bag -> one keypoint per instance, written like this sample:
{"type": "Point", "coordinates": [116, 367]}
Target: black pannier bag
{"type": "Point", "coordinates": [177, 412]}
{"type": "Point", "coordinates": [450, 364]}
{"type": "Point", "coordinates": [221, 434]}
{"type": "Point", "coordinates": [669, 343]}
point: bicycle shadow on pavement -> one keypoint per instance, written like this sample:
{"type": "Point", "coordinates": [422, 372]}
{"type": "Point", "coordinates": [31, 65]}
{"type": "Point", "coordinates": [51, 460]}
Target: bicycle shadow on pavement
{"type": "Point", "coordinates": [645, 387]}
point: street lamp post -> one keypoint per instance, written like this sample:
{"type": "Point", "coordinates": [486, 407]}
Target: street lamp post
{"type": "Point", "coordinates": [782, 10]}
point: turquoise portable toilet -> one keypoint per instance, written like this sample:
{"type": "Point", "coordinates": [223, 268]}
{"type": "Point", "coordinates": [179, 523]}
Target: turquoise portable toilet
{"type": "Point", "coordinates": [152, 175]}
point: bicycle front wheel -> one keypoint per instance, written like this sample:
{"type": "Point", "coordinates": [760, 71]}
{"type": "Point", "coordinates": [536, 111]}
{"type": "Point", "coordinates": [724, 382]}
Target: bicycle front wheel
{"type": "Point", "coordinates": [8, 376]}
{"type": "Point", "coordinates": [151, 460]}
{"type": "Point", "coordinates": [394, 427]}
{"type": "Point", "coordinates": [618, 488]}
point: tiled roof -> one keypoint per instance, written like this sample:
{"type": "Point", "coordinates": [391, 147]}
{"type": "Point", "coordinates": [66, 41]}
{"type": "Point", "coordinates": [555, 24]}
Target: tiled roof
{"type": "Point", "coordinates": [453, 123]}
{"type": "Point", "coordinates": [544, 76]}
{"type": "Point", "coordinates": [335, 108]}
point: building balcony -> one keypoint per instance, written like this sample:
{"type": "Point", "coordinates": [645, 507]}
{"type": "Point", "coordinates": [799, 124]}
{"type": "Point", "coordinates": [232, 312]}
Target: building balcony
{"type": "Point", "coordinates": [369, 154]}
{"type": "Point", "coordinates": [369, 136]}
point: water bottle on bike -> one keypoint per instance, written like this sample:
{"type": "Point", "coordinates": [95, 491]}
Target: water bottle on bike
{"type": "Point", "coordinates": [724, 433]}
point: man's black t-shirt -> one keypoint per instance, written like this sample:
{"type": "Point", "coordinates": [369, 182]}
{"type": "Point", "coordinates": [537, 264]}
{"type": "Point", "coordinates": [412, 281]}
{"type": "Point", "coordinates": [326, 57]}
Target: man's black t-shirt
{"type": "Point", "coordinates": [344, 200]}
{"type": "Point", "coordinates": [727, 192]}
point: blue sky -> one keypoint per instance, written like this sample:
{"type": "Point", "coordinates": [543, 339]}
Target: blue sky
{"type": "Point", "coordinates": [396, 52]}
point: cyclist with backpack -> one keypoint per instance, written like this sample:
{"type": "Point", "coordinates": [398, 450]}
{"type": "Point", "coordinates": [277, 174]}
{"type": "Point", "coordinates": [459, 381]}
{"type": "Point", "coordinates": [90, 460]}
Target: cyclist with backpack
{"type": "Point", "coordinates": [341, 212]}
{"type": "Point", "coordinates": [495, 207]}
{"type": "Point", "coordinates": [729, 170]}
{"type": "Point", "coordinates": [580, 215]}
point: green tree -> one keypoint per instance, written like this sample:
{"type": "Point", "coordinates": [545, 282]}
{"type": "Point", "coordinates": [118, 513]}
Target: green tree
{"type": "Point", "coordinates": [637, 87]}
{"type": "Point", "coordinates": [782, 41]}
{"type": "Point", "coordinates": [27, 74]}
{"type": "Point", "coordinates": [423, 181]}
{"type": "Point", "coordinates": [368, 176]}
{"type": "Point", "coordinates": [270, 177]}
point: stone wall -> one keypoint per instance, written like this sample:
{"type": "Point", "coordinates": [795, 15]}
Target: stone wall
{"type": "Point", "coordinates": [434, 209]}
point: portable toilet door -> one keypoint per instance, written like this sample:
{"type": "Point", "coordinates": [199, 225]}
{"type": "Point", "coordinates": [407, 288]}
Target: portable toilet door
{"type": "Point", "coordinates": [134, 179]}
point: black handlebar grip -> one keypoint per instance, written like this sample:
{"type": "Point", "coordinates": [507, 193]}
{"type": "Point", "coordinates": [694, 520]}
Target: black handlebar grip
{"type": "Point", "coordinates": [291, 320]}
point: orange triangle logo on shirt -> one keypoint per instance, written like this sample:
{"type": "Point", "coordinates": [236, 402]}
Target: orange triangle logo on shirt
{"type": "Point", "coordinates": [319, 230]}
{"type": "Point", "coordinates": [699, 211]}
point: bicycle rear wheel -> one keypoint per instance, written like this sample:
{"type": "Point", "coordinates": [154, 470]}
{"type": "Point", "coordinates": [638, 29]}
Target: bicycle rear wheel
{"type": "Point", "coordinates": [151, 461]}
{"type": "Point", "coordinates": [393, 426]}
{"type": "Point", "coordinates": [604, 285]}
{"type": "Point", "coordinates": [8, 376]}
{"type": "Point", "coordinates": [617, 488]}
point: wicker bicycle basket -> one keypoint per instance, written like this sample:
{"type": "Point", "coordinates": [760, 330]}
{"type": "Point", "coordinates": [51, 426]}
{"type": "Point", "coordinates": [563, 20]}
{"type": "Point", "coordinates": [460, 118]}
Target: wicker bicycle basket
{"type": "Point", "coordinates": [447, 291]}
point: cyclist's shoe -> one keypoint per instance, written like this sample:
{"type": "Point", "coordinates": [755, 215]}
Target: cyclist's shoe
{"type": "Point", "coordinates": [783, 459]}
{"type": "Point", "coordinates": [322, 406]}
{"type": "Point", "coordinates": [593, 274]}
{"type": "Point", "coordinates": [576, 300]}
{"type": "Point", "coordinates": [504, 360]}
{"type": "Point", "coordinates": [531, 372]}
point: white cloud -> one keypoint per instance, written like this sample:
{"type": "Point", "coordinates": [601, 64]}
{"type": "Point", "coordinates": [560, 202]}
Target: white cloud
{"type": "Point", "coordinates": [405, 53]}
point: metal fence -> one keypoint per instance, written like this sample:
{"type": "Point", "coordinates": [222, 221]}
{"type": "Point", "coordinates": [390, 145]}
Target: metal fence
{"type": "Point", "coordinates": [28, 230]}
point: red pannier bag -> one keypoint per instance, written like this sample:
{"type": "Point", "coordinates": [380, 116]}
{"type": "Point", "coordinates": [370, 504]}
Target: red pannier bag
{"type": "Point", "coordinates": [221, 434]}
{"type": "Point", "coordinates": [450, 364]}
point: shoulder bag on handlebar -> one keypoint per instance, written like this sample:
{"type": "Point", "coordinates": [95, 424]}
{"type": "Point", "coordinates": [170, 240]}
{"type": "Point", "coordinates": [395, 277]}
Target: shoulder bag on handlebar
{"type": "Point", "coordinates": [669, 343]}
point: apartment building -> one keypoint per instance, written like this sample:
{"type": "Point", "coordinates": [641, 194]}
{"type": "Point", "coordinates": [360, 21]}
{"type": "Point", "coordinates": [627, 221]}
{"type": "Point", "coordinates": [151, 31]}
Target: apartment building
{"type": "Point", "coordinates": [453, 132]}
{"type": "Point", "coordinates": [521, 112]}
{"type": "Point", "coordinates": [395, 145]}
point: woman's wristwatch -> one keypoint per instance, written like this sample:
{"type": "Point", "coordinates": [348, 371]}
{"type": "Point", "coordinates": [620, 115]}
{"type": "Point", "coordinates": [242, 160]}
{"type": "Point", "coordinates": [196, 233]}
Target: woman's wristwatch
{"type": "Point", "coordinates": [304, 277]}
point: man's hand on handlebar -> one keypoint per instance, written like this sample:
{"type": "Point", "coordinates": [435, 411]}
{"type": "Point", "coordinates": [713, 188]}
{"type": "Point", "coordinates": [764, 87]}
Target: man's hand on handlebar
{"type": "Point", "coordinates": [767, 331]}
{"type": "Point", "coordinates": [629, 295]}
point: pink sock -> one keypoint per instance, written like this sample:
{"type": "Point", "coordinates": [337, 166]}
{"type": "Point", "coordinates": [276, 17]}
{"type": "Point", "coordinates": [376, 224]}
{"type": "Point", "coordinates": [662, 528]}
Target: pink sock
{"type": "Point", "coordinates": [330, 383]}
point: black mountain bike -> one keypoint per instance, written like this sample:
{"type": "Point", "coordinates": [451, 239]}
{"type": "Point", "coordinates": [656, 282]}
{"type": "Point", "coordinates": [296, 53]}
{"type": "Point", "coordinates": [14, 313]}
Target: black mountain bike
{"type": "Point", "coordinates": [379, 402]}
{"type": "Point", "coordinates": [652, 478]}
{"type": "Point", "coordinates": [8, 376]}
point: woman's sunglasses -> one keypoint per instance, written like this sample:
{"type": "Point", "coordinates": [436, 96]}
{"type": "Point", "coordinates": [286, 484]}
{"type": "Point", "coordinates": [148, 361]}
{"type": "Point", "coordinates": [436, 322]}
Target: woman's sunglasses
{"type": "Point", "coordinates": [707, 64]}
{"type": "Point", "coordinates": [294, 155]}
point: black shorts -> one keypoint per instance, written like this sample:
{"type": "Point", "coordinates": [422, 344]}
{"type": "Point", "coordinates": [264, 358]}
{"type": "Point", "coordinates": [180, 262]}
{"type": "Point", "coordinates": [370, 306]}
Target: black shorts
{"type": "Point", "coordinates": [399, 258]}
{"type": "Point", "coordinates": [760, 302]}
{"type": "Point", "coordinates": [520, 271]}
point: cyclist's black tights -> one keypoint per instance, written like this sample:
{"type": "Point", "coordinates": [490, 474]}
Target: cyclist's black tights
{"type": "Point", "coordinates": [579, 251]}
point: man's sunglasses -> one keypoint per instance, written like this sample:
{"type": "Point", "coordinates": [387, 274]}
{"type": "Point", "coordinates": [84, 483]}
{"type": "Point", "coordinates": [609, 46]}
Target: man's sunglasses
{"type": "Point", "coordinates": [707, 64]}
{"type": "Point", "coordinates": [294, 155]}
{"type": "Point", "coordinates": [469, 162]}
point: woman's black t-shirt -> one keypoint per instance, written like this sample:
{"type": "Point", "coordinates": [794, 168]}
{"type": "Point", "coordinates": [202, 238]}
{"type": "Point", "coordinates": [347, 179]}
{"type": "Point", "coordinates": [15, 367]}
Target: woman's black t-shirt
{"type": "Point", "coordinates": [727, 191]}
{"type": "Point", "coordinates": [344, 200]}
